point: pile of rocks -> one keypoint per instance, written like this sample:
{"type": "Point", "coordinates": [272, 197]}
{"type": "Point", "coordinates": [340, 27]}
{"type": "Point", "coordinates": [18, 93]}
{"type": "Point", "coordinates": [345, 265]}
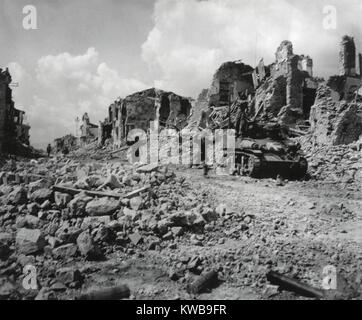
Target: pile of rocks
{"type": "Point", "coordinates": [75, 212]}
{"type": "Point", "coordinates": [341, 163]}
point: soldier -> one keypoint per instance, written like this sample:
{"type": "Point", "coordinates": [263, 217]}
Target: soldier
{"type": "Point", "coordinates": [241, 117]}
{"type": "Point", "coordinates": [49, 149]}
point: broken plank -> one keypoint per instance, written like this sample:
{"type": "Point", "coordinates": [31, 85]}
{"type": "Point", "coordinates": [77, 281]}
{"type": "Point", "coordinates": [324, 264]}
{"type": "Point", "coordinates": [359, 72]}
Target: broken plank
{"type": "Point", "coordinates": [91, 193]}
{"type": "Point", "coordinates": [291, 284]}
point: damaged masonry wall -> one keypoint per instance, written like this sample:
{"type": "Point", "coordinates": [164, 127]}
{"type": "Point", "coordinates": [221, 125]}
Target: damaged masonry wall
{"type": "Point", "coordinates": [335, 122]}
{"type": "Point", "coordinates": [14, 133]}
{"type": "Point", "coordinates": [289, 91]}
{"type": "Point", "coordinates": [336, 117]}
{"type": "Point", "coordinates": [138, 109]}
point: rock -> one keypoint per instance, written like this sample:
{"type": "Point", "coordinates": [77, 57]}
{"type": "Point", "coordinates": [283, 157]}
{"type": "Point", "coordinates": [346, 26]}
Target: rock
{"type": "Point", "coordinates": [6, 290]}
{"type": "Point", "coordinates": [104, 234]}
{"type": "Point", "coordinates": [95, 221]}
{"type": "Point", "coordinates": [18, 196]}
{"type": "Point", "coordinates": [5, 189]}
{"type": "Point", "coordinates": [36, 185]}
{"type": "Point", "coordinates": [82, 183]}
{"type": "Point", "coordinates": [68, 234]}
{"type": "Point", "coordinates": [54, 242]}
{"type": "Point", "coordinates": [177, 231]}
{"type": "Point", "coordinates": [45, 294]}
{"type": "Point", "coordinates": [65, 251]}
{"type": "Point", "coordinates": [133, 214]}
{"type": "Point", "coordinates": [87, 247]}
{"type": "Point", "coordinates": [62, 199]}
{"type": "Point", "coordinates": [5, 237]}
{"type": "Point", "coordinates": [45, 205]}
{"type": "Point", "coordinates": [33, 208]}
{"type": "Point", "coordinates": [23, 260]}
{"type": "Point", "coordinates": [209, 214]}
{"type": "Point", "coordinates": [222, 210]}
{"type": "Point", "coordinates": [167, 236]}
{"type": "Point", "coordinates": [68, 275]}
{"type": "Point", "coordinates": [111, 181]}
{"type": "Point", "coordinates": [135, 238]}
{"type": "Point", "coordinates": [189, 218]}
{"type": "Point", "coordinates": [41, 195]}
{"type": "Point", "coordinates": [136, 203]}
{"type": "Point", "coordinates": [42, 215]}
{"type": "Point", "coordinates": [31, 221]}
{"type": "Point", "coordinates": [30, 241]}
{"type": "Point", "coordinates": [78, 204]}
{"type": "Point", "coordinates": [194, 263]}
{"type": "Point", "coordinates": [57, 286]}
{"type": "Point", "coordinates": [271, 290]}
{"type": "Point", "coordinates": [102, 206]}
{"type": "Point", "coordinates": [175, 275]}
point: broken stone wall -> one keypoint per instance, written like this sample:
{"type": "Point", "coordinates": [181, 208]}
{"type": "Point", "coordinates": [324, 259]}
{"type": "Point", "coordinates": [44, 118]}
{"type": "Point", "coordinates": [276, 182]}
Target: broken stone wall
{"type": "Point", "coordinates": [334, 122]}
{"type": "Point", "coordinates": [272, 95]}
{"type": "Point", "coordinates": [89, 131]}
{"type": "Point", "coordinates": [138, 109]}
{"type": "Point", "coordinates": [294, 107]}
{"type": "Point", "coordinates": [232, 78]}
{"type": "Point", "coordinates": [68, 141]}
{"type": "Point", "coordinates": [282, 94]}
{"type": "Point", "coordinates": [13, 133]}
{"type": "Point", "coordinates": [5, 80]}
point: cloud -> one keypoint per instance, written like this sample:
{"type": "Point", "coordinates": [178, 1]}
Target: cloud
{"type": "Point", "coordinates": [65, 86]}
{"type": "Point", "coordinates": [190, 38]}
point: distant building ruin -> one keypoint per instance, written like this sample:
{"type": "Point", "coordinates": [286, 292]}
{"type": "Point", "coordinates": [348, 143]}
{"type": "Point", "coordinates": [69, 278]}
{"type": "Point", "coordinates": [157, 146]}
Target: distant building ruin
{"type": "Point", "coordinates": [89, 131]}
{"type": "Point", "coordinates": [138, 109]}
{"type": "Point", "coordinates": [13, 131]}
{"type": "Point", "coordinates": [69, 141]}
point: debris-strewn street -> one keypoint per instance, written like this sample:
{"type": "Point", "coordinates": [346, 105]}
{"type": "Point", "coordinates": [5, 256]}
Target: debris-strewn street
{"type": "Point", "coordinates": [221, 163]}
{"type": "Point", "coordinates": [159, 229]}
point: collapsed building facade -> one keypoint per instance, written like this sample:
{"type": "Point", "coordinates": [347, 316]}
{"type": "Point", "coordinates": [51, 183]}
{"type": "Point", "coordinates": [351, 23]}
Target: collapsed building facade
{"type": "Point", "coordinates": [336, 116]}
{"type": "Point", "coordinates": [284, 93]}
{"type": "Point", "coordinates": [14, 133]}
{"type": "Point", "coordinates": [137, 110]}
{"type": "Point", "coordinates": [285, 89]}
{"type": "Point", "coordinates": [88, 130]}
{"type": "Point", "coordinates": [287, 92]}
{"type": "Point", "coordinates": [68, 141]}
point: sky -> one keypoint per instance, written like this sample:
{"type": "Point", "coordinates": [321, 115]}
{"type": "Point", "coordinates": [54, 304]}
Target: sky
{"type": "Point", "coordinates": [84, 54]}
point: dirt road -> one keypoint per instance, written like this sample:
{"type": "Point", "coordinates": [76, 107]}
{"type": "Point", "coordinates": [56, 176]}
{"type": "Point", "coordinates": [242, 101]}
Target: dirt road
{"type": "Point", "coordinates": [296, 229]}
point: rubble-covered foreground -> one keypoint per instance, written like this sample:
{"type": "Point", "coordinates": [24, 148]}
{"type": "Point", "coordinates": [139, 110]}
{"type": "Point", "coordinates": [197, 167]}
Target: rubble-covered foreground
{"type": "Point", "coordinates": [88, 225]}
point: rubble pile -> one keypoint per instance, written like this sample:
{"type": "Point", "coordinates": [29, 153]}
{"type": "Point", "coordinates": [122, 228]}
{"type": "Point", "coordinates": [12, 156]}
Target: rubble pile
{"type": "Point", "coordinates": [56, 212]}
{"type": "Point", "coordinates": [334, 121]}
{"type": "Point", "coordinates": [339, 164]}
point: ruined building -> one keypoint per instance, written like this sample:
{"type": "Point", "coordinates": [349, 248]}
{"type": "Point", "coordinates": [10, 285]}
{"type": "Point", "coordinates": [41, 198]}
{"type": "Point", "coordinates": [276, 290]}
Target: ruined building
{"type": "Point", "coordinates": [285, 89]}
{"type": "Point", "coordinates": [336, 117]}
{"type": "Point", "coordinates": [69, 141]}
{"type": "Point", "coordinates": [230, 80]}
{"type": "Point", "coordinates": [14, 134]}
{"type": "Point", "coordinates": [138, 109]}
{"type": "Point", "coordinates": [89, 131]}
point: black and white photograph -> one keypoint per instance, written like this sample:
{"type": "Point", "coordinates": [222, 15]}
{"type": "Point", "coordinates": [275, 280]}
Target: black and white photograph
{"type": "Point", "coordinates": [180, 155]}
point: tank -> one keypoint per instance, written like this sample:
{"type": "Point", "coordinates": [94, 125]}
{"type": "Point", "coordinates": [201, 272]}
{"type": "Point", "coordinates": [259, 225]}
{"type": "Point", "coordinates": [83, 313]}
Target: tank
{"type": "Point", "coordinates": [264, 150]}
